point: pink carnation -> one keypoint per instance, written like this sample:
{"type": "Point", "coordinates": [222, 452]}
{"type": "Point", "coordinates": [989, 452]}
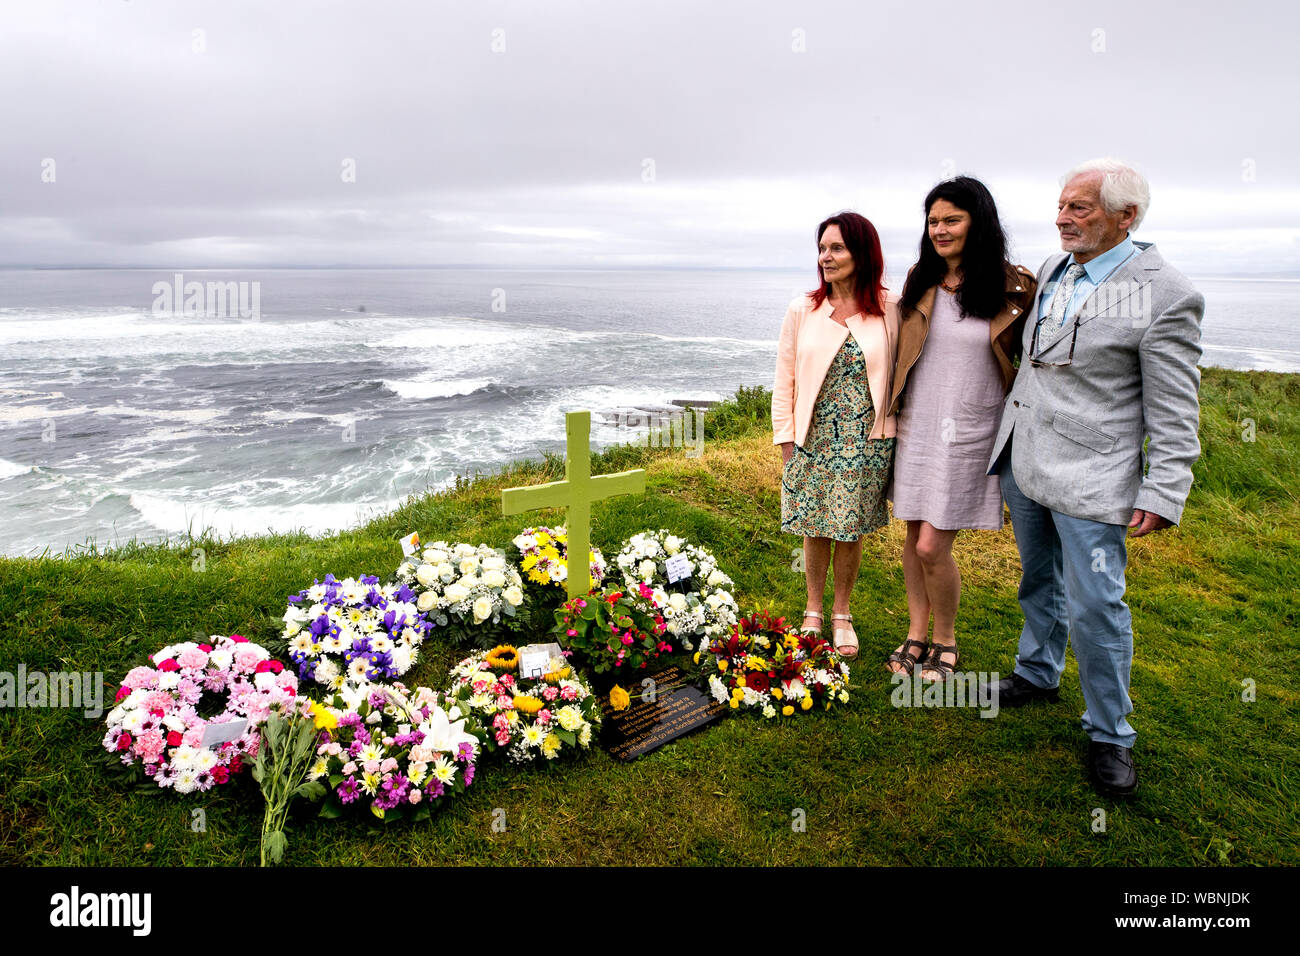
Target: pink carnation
{"type": "Point", "coordinates": [550, 693]}
{"type": "Point", "coordinates": [192, 658]}
{"type": "Point", "coordinates": [150, 743]}
{"type": "Point", "coordinates": [139, 677]}
{"type": "Point", "coordinates": [247, 658]}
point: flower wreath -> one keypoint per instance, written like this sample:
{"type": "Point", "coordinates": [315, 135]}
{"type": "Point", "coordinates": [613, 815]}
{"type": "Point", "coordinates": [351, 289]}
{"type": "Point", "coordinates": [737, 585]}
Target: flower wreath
{"type": "Point", "coordinates": [402, 753]}
{"type": "Point", "coordinates": [544, 557]}
{"type": "Point", "coordinates": [696, 608]}
{"type": "Point", "coordinates": [469, 592]}
{"type": "Point", "coordinates": [552, 715]}
{"type": "Point", "coordinates": [156, 721]}
{"type": "Point", "coordinates": [763, 664]}
{"type": "Point", "coordinates": [353, 629]}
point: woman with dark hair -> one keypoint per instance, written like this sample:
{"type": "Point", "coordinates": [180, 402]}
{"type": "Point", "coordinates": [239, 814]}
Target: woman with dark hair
{"type": "Point", "coordinates": [963, 309]}
{"type": "Point", "coordinates": [833, 369]}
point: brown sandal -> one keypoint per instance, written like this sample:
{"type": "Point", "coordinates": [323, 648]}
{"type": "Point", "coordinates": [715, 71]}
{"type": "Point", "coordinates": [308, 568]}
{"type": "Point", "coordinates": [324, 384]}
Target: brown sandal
{"type": "Point", "coordinates": [909, 662]}
{"type": "Point", "coordinates": [934, 662]}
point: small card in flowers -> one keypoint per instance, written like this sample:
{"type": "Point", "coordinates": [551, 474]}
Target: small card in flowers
{"type": "Point", "coordinates": [216, 734]}
{"type": "Point", "coordinates": [410, 544]}
{"type": "Point", "coordinates": [678, 568]}
{"type": "Point", "coordinates": [535, 659]}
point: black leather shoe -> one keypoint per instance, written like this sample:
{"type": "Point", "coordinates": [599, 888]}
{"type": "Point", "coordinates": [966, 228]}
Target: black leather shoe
{"type": "Point", "coordinates": [1015, 690]}
{"type": "Point", "coordinates": [1111, 768]}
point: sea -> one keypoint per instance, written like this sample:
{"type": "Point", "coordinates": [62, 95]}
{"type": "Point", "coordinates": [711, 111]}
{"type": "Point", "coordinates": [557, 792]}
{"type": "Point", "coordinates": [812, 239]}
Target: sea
{"type": "Point", "coordinates": [144, 404]}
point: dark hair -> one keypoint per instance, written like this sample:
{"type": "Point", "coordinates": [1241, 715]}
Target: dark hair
{"type": "Point", "coordinates": [863, 243]}
{"type": "Point", "coordinates": [983, 258]}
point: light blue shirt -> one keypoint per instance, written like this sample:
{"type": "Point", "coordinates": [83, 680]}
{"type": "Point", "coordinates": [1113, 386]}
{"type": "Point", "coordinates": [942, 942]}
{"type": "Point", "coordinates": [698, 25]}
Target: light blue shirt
{"type": "Point", "coordinates": [1095, 272]}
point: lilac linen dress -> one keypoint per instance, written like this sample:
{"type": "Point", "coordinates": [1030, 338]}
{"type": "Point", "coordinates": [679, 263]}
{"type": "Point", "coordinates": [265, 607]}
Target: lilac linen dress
{"type": "Point", "coordinates": [947, 425]}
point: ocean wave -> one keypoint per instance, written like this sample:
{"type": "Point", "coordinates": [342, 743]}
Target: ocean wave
{"type": "Point", "coordinates": [12, 469]}
{"type": "Point", "coordinates": [418, 390]}
{"type": "Point", "coordinates": [180, 517]}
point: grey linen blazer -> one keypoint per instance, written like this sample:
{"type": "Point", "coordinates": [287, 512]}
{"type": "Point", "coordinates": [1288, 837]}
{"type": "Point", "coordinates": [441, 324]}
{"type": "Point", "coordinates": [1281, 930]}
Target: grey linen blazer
{"type": "Point", "coordinates": [1080, 430]}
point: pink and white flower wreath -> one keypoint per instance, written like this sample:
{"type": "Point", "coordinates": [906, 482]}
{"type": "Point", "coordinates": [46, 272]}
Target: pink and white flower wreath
{"type": "Point", "coordinates": [156, 722]}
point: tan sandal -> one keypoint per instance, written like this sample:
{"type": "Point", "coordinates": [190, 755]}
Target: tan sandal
{"type": "Point", "coordinates": [847, 648]}
{"type": "Point", "coordinates": [808, 629]}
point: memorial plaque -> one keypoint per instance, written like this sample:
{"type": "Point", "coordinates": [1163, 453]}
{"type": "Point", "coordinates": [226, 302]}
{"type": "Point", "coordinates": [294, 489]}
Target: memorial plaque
{"type": "Point", "coordinates": [652, 720]}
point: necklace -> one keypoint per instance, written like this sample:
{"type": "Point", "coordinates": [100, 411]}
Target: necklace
{"type": "Point", "coordinates": [951, 289]}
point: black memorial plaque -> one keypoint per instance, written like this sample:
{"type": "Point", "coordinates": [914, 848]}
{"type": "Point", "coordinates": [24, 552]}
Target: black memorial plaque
{"type": "Point", "coordinates": [677, 708]}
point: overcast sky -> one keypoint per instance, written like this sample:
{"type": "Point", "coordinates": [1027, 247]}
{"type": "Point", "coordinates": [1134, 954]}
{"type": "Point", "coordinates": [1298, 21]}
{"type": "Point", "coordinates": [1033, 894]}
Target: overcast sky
{"type": "Point", "coordinates": [607, 133]}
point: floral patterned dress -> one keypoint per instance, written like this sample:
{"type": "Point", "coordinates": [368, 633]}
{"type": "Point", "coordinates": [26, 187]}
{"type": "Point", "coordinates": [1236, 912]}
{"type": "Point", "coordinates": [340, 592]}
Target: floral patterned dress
{"type": "Point", "coordinates": [835, 486]}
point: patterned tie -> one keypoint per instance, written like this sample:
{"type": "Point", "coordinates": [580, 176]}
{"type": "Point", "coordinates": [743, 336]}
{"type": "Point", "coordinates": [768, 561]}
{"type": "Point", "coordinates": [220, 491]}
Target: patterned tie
{"type": "Point", "coordinates": [1060, 302]}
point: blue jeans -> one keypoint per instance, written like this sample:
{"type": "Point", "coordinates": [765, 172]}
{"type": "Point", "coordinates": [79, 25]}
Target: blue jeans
{"type": "Point", "coordinates": [1072, 585]}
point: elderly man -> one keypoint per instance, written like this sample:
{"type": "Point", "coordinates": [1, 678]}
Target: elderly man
{"type": "Point", "coordinates": [1109, 362]}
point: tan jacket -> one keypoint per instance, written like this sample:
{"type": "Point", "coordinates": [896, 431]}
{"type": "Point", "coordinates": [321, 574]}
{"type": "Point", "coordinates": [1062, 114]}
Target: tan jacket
{"type": "Point", "coordinates": [1004, 332]}
{"type": "Point", "coordinates": [810, 339]}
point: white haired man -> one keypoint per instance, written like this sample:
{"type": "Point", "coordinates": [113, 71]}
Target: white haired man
{"type": "Point", "coordinates": [1108, 384]}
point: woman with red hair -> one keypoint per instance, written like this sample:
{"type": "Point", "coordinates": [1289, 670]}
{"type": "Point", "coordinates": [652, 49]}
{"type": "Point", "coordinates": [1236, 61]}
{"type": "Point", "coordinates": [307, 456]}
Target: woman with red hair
{"type": "Point", "coordinates": [834, 363]}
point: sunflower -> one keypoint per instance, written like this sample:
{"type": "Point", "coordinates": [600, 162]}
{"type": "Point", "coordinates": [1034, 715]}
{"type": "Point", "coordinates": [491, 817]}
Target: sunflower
{"type": "Point", "coordinates": [503, 657]}
{"type": "Point", "coordinates": [528, 705]}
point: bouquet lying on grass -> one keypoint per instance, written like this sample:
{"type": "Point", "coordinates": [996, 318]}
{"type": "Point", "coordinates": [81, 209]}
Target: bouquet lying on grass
{"type": "Point", "coordinates": [398, 753]}
{"type": "Point", "coordinates": [694, 595]}
{"type": "Point", "coordinates": [762, 664]}
{"type": "Point", "coordinates": [469, 592]}
{"type": "Point", "coordinates": [551, 716]}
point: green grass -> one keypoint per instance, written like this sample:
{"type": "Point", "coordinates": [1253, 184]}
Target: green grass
{"type": "Point", "coordinates": [1214, 605]}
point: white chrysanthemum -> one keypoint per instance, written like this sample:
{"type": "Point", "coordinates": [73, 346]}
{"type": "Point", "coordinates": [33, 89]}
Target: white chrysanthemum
{"type": "Point", "coordinates": [186, 781]}
{"type": "Point", "coordinates": [769, 710]}
{"type": "Point", "coordinates": [444, 770]}
{"type": "Point", "coordinates": [533, 735]}
{"type": "Point", "coordinates": [584, 736]}
{"type": "Point", "coordinates": [795, 690]}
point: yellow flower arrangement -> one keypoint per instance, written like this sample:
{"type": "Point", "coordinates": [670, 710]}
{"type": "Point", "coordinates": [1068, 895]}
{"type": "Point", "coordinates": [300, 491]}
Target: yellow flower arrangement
{"type": "Point", "coordinates": [503, 657]}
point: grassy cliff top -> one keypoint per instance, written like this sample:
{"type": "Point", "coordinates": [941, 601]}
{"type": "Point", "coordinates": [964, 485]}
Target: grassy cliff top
{"type": "Point", "coordinates": [1213, 683]}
